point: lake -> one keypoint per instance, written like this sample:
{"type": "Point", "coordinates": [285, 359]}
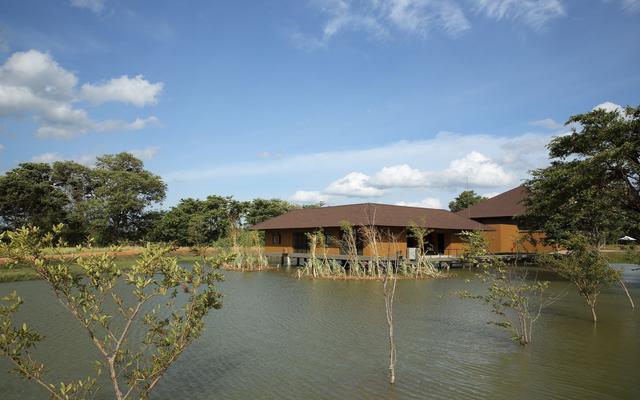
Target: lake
{"type": "Point", "coordinates": [282, 338]}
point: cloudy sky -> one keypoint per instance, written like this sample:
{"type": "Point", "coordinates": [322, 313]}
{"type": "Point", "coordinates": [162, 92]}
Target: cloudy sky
{"type": "Point", "coordinates": [397, 101]}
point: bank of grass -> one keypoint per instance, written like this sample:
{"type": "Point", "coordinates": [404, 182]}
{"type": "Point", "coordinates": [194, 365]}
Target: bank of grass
{"type": "Point", "coordinates": [23, 272]}
{"type": "Point", "coordinates": [622, 257]}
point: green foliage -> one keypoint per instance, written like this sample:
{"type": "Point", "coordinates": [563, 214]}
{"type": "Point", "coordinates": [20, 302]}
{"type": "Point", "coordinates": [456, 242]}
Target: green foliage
{"type": "Point", "coordinates": [195, 221]}
{"type": "Point", "coordinates": [592, 186]}
{"type": "Point", "coordinates": [96, 298]}
{"type": "Point", "coordinates": [513, 298]}
{"type": "Point", "coordinates": [28, 197]}
{"type": "Point", "coordinates": [586, 267]}
{"type": "Point", "coordinates": [476, 246]}
{"type": "Point", "coordinates": [124, 190]}
{"type": "Point", "coordinates": [259, 210]}
{"type": "Point", "coordinates": [465, 199]}
{"type": "Point", "coordinates": [109, 202]}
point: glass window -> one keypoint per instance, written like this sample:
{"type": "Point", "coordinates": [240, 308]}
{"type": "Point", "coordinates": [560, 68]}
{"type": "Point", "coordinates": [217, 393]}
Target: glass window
{"type": "Point", "coordinates": [275, 238]}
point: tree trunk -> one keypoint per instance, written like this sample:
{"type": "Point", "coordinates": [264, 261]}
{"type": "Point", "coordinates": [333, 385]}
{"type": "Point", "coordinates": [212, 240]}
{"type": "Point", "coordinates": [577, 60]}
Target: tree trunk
{"type": "Point", "coordinates": [392, 356]}
{"type": "Point", "coordinates": [633, 306]}
{"type": "Point", "coordinates": [593, 312]}
{"type": "Point", "coordinates": [389, 293]}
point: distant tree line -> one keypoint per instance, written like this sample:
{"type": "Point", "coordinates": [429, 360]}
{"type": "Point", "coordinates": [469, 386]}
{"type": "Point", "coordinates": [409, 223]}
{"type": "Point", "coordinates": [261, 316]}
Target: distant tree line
{"type": "Point", "coordinates": [116, 201]}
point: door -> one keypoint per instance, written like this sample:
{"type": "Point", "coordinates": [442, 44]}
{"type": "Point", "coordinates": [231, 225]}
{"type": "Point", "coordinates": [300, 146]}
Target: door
{"type": "Point", "coordinates": [441, 243]}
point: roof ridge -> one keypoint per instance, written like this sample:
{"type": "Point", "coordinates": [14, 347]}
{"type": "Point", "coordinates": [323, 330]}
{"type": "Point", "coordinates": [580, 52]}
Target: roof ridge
{"type": "Point", "coordinates": [373, 204]}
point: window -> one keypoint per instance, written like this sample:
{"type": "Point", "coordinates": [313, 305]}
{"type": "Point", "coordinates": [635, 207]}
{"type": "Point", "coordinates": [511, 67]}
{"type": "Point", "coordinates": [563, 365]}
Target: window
{"type": "Point", "coordinates": [275, 238]}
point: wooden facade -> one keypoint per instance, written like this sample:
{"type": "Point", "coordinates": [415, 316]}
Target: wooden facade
{"type": "Point", "coordinates": [395, 241]}
{"type": "Point", "coordinates": [507, 237]}
{"type": "Point", "coordinates": [499, 213]}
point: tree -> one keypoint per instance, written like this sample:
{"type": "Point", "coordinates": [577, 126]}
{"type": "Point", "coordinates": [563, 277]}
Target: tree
{"type": "Point", "coordinates": [515, 299]}
{"type": "Point", "coordinates": [78, 183]}
{"type": "Point", "coordinates": [464, 200]}
{"type": "Point", "coordinates": [592, 186]}
{"type": "Point", "coordinates": [28, 197]}
{"type": "Point", "coordinates": [109, 202]}
{"type": "Point", "coordinates": [586, 267]}
{"type": "Point", "coordinates": [195, 221]}
{"type": "Point", "coordinates": [123, 193]}
{"type": "Point", "coordinates": [96, 297]}
{"type": "Point", "coordinates": [259, 210]}
{"type": "Point", "coordinates": [385, 270]}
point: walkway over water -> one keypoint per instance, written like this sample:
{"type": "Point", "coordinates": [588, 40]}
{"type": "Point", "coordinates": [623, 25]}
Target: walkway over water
{"type": "Point", "coordinates": [439, 260]}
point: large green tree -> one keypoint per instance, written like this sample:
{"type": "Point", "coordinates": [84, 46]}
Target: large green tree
{"type": "Point", "coordinates": [195, 221]}
{"type": "Point", "coordinates": [78, 183]}
{"type": "Point", "coordinates": [464, 200]}
{"type": "Point", "coordinates": [259, 210]}
{"type": "Point", "coordinates": [592, 185]}
{"type": "Point", "coordinates": [124, 191]}
{"type": "Point", "coordinates": [28, 197]}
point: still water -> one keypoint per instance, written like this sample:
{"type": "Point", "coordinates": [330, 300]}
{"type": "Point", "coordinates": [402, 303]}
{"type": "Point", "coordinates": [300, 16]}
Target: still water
{"type": "Point", "coordinates": [281, 338]}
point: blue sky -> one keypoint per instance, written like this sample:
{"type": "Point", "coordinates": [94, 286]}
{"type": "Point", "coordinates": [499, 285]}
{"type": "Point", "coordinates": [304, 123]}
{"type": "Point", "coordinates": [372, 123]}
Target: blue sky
{"type": "Point", "coordinates": [397, 101]}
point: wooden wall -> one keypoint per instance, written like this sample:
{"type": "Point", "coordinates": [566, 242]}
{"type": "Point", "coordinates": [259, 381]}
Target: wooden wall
{"type": "Point", "coordinates": [452, 243]}
{"type": "Point", "coordinates": [505, 237]}
{"type": "Point", "coordinates": [501, 240]}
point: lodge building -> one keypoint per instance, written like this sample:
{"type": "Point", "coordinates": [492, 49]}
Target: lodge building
{"type": "Point", "coordinates": [286, 234]}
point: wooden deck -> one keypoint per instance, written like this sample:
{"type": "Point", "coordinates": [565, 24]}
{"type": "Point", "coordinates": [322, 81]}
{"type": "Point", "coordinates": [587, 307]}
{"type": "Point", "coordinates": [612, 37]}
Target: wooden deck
{"type": "Point", "coordinates": [440, 261]}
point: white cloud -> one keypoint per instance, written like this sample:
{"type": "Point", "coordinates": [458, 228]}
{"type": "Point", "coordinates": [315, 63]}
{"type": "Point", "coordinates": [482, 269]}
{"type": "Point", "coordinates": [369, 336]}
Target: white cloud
{"type": "Point", "coordinates": [382, 19]}
{"type": "Point", "coordinates": [609, 107]}
{"type": "Point", "coordinates": [535, 13]}
{"type": "Point", "coordinates": [94, 5]}
{"type": "Point", "coordinates": [631, 5]}
{"type": "Point", "coordinates": [547, 123]}
{"type": "Point", "coordinates": [304, 196]}
{"type": "Point", "coordinates": [517, 154]}
{"type": "Point", "coordinates": [46, 158]}
{"type": "Point", "coordinates": [145, 154]}
{"type": "Point", "coordinates": [1, 147]}
{"type": "Point", "coordinates": [77, 123]}
{"type": "Point", "coordinates": [38, 74]}
{"type": "Point", "coordinates": [354, 184]}
{"type": "Point", "coordinates": [51, 157]}
{"type": "Point", "coordinates": [474, 169]}
{"type": "Point", "coordinates": [399, 176]}
{"type": "Point", "coordinates": [429, 202]}
{"type": "Point", "coordinates": [137, 91]}
{"type": "Point", "coordinates": [421, 16]}
{"type": "Point", "coordinates": [32, 83]}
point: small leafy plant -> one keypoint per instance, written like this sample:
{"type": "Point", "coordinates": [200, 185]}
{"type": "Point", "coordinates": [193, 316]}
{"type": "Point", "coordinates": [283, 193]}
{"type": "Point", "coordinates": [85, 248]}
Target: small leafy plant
{"type": "Point", "coordinates": [88, 288]}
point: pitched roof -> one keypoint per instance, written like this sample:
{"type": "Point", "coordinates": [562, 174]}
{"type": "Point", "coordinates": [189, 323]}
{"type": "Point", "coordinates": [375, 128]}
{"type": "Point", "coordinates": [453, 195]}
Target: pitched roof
{"type": "Point", "coordinates": [364, 214]}
{"type": "Point", "coordinates": [507, 204]}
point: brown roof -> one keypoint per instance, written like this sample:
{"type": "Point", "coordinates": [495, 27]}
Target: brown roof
{"type": "Point", "coordinates": [507, 204]}
{"type": "Point", "coordinates": [364, 214]}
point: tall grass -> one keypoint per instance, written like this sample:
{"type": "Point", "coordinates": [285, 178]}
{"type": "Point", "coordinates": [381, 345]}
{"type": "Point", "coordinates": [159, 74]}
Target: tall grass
{"type": "Point", "coordinates": [244, 249]}
{"type": "Point", "coordinates": [318, 265]}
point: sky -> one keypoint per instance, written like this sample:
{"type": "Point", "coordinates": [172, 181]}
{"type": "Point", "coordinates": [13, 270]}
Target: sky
{"type": "Point", "coordinates": [389, 101]}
